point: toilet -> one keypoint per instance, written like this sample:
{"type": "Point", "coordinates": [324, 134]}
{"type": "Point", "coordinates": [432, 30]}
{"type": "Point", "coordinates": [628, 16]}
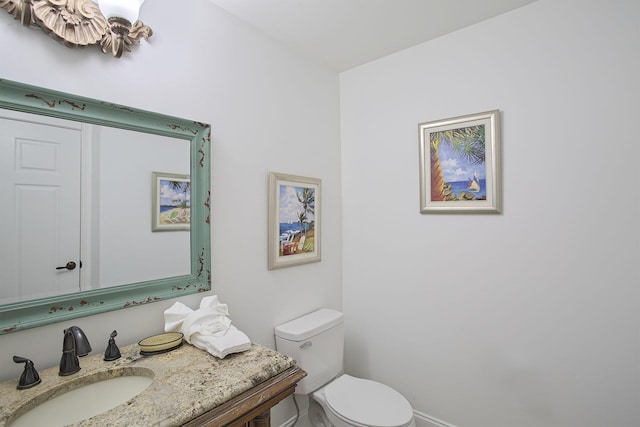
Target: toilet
{"type": "Point", "coordinates": [316, 342]}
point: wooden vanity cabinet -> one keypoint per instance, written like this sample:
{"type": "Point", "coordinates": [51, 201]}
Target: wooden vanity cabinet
{"type": "Point", "coordinates": [252, 408]}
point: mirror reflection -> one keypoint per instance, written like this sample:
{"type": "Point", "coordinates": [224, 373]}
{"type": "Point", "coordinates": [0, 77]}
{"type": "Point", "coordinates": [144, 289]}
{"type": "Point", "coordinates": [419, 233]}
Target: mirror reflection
{"type": "Point", "coordinates": [78, 206]}
{"type": "Point", "coordinates": [104, 206]}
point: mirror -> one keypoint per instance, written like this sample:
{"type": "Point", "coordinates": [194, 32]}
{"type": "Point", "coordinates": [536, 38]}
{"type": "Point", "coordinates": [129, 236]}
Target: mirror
{"type": "Point", "coordinates": [116, 273]}
{"type": "Point", "coordinates": [72, 197]}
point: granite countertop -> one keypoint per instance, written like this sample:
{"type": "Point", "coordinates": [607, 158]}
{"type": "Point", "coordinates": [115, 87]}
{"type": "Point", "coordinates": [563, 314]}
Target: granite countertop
{"type": "Point", "coordinates": [187, 382]}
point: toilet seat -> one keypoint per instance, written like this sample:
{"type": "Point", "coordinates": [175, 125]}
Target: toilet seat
{"type": "Point", "coordinates": [363, 402]}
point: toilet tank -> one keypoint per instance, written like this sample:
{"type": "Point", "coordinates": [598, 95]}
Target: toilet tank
{"type": "Point", "coordinates": [316, 342]}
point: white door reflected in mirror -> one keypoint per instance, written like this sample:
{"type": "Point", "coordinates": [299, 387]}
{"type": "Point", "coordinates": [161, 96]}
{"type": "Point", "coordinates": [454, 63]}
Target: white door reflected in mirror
{"type": "Point", "coordinates": [81, 193]}
{"type": "Point", "coordinates": [40, 188]}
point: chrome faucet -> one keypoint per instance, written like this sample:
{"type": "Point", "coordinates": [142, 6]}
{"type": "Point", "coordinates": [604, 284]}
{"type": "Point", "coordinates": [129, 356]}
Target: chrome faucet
{"type": "Point", "coordinates": [74, 344]}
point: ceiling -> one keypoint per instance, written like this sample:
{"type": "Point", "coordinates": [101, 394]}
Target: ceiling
{"type": "Point", "coordinates": [342, 34]}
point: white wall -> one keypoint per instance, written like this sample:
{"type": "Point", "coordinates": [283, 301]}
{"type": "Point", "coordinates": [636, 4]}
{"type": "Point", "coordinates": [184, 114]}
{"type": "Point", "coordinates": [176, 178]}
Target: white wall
{"type": "Point", "coordinates": [524, 319]}
{"type": "Point", "coordinates": [270, 111]}
{"type": "Point", "coordinates": [128, 160]}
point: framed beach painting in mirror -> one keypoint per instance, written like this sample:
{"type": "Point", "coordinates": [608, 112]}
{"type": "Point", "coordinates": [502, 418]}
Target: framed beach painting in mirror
{"type": "Point", "coordinates": [294, 220]}
{"type": "Point", "coordinates": [171, 202]}
{"type": "Point", "coordinates": [460, 164]}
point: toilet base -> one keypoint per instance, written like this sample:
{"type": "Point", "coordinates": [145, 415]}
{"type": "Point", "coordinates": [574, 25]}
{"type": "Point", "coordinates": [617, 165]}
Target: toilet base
{"type": "Point", "coordinates": [317, 417]}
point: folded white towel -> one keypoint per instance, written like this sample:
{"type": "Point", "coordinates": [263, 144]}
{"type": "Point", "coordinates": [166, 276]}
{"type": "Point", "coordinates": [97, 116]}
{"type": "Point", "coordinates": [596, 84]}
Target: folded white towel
{"type": "Point", "coordinates": [208, 328]}
{"type": "Point", "coordinates": [233, 341]}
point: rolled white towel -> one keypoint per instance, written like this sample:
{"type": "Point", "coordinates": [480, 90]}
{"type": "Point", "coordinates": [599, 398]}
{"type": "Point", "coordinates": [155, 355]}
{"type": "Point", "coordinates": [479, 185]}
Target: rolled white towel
{"type": "Point", "coordinates": [174, 317]}
{"type": "Point", "coordinates": [205, 323]}
{"type": "Point", "coordinates": [208, 328]}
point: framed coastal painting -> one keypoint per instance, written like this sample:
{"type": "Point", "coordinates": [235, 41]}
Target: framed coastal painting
{"type": "Point", "coordinates": [294, 220]}
{"type": "Point", "coordinates": [171, 202]}
{"type": "Point", "coordinates": [460, 164]}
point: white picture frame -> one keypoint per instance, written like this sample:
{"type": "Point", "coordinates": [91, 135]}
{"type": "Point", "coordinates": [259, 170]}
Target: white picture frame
{"type": "Point", "coordinates": [460, 168]}
{"type": "Point", "coordinates": [294, 220]}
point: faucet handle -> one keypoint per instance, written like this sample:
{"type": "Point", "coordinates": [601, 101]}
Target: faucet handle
{"type": "Point", "coordinates": [29, 376]}
{"type": "Point", "coordinates": [112, 352]}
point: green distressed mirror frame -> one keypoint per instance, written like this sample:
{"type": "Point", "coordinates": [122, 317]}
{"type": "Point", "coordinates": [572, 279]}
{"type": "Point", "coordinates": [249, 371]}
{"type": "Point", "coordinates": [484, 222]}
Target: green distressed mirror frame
{"type": "Point", "coordinates": [31, 99]}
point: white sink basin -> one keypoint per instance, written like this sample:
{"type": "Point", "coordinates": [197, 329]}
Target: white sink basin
{"type": "Point", "coordinates": [85, 400]}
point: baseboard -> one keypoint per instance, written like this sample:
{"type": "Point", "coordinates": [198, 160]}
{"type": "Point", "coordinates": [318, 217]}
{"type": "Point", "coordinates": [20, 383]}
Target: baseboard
{"type": "Point", "coordinates": [424, 420]}
{"type": "Point", "coordinates": [293, 420]}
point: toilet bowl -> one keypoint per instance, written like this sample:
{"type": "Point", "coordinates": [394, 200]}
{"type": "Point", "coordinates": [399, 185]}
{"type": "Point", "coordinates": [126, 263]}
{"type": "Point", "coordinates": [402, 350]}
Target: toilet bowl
{"type": "Point", "coordinates": [316, 342]}
{"type": "Point", "coordinates": [355, 402]}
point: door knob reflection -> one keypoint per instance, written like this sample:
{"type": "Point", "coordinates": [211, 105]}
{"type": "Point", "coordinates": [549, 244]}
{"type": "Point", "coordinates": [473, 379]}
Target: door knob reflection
{"type": "Point", "coordinates": [70, 266]}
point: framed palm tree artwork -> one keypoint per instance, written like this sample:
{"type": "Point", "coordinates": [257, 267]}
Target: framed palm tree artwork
{"type": "Point", "coordinates": [294, 220]}
{"type": "Point", "coordinates": [460, 164]}
{"type": "Point", "coordinates": [171, 202]}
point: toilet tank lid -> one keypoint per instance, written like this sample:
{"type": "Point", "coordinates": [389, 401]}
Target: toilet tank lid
{"type": "Point", "coordinates": [309, 325]}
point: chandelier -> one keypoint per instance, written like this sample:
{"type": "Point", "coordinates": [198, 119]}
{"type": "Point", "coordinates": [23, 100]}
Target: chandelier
{"type": "Point", "coordinates": [113, 24]}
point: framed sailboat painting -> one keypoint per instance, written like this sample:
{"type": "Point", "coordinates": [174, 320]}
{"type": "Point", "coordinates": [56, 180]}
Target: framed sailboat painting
{"type": "Point", "coordinates": [460, 164]}
{"type": "Point", "coordinates": [294, 220]}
